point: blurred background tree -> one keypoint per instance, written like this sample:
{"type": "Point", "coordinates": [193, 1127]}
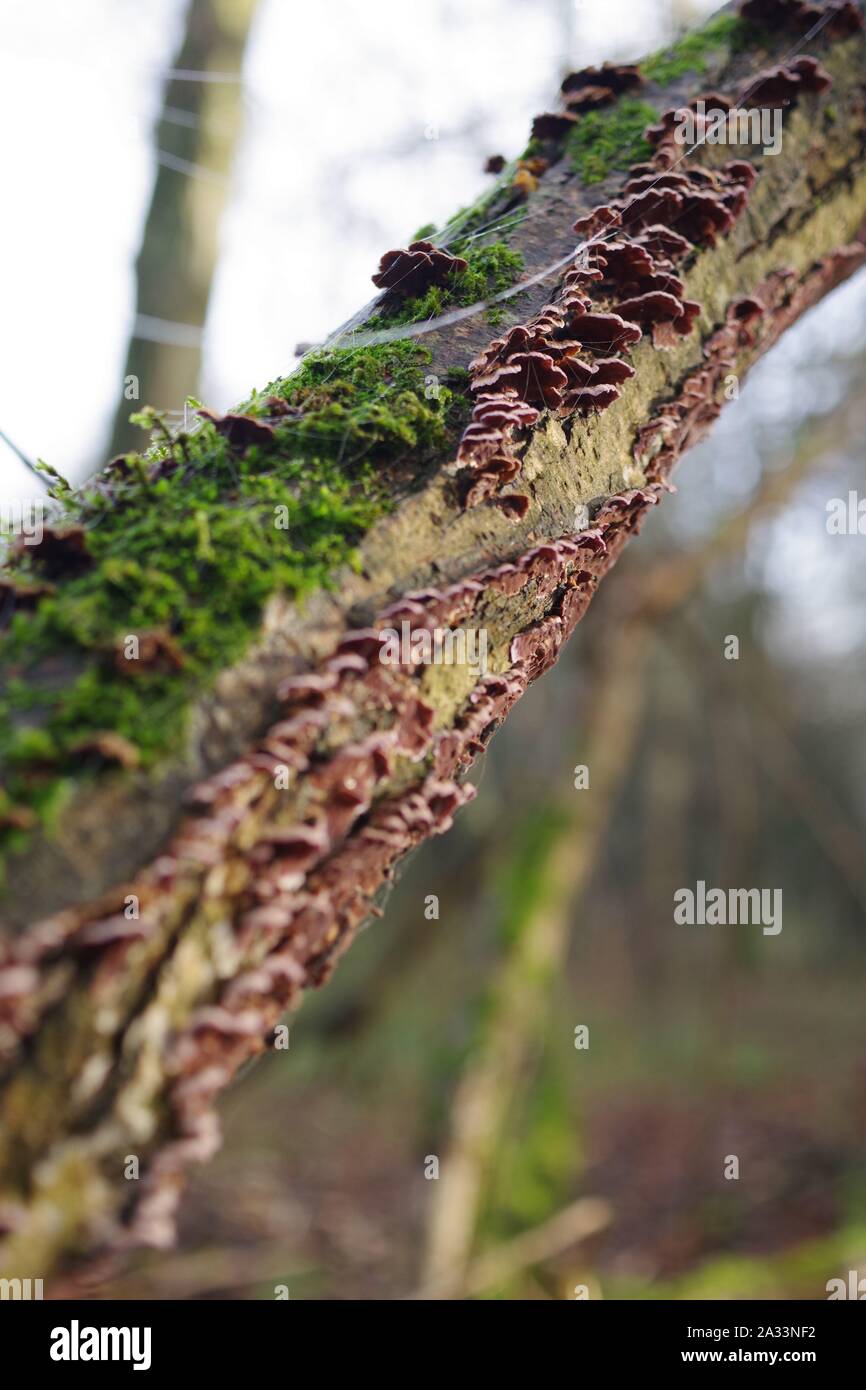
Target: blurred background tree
{"type": "Point", "coordinates": [195, 138]}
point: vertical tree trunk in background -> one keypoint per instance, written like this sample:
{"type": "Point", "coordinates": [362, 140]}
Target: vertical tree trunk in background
{"type": "Point", "coordinates": [194, 140]}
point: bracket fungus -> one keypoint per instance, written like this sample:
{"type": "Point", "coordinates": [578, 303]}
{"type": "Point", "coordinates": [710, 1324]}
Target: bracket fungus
{"type": "Point", "coordinates": [411, 271]}
{"type": "Point", "coordinates": [552, 125]}
{"type": "Point", "coordinates": [604, 84]}
{"type": "Point", "coordinates": [570, 356]}
{"type": "Point", "coordinates": [586, 90]}
{"type": "Point", "coordinates": [240, 431]}
{"type": "Point", "coordinates": [781, 85]}
{"type": "Point", "coordinates": [59, 551]}
{"type": "Point", "coordinates": [842, 18]}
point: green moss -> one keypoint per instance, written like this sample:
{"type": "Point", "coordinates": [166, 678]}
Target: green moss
{"type": "Point", "coordinates": [521, 891]}
{"type": "Point", "coordinates": [194, 542]}
{"type": "Point", "coordinates": [491, 269]}
{"type": "Point", "coordinates": [692, 52]}
{"type": "Point", "coordinates": [470, 218]}
{"type": "Point", "coordinates": [539, 1158]}
{"type": "Point", "coordinates": [795, 1272]}
{"type": "Point", "coordinates": [605, 140]}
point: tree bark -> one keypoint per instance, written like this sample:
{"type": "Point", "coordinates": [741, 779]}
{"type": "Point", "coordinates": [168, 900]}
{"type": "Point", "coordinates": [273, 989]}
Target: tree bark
{"type": "Point", "coordinates": [165, 918]}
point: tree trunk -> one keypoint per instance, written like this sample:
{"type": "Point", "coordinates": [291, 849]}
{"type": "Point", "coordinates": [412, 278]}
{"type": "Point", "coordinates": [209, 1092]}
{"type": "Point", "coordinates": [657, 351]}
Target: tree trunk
{"type": "Point", "coordinates": [195, 138]}
{"type": "Point", "coordinates": [274, 769]}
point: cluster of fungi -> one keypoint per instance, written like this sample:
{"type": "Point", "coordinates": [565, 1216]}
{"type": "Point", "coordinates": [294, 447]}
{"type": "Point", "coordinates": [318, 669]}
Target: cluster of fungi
{"type": "Point", "coordinates": [838, 19]}
{"type": "Point", "coordinates": [583, 91]}
{"type": "Point", "coordinates": [571, 358]}
{"type": "Point", "coordinates": [410, 272]}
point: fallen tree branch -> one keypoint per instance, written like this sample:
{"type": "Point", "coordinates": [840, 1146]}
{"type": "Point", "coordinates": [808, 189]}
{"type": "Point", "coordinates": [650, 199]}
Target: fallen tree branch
{"type": "Point", "coordinates": [210, 771]}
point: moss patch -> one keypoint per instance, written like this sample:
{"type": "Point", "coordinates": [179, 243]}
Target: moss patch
{"type": "Point", "coordinates": [479, 216]}
{"type": "Point", "coordinates": [605, 140]}
{"type": "Point", "coordinates": [191, 542]}
{"type": "Point", "coordinates": [692, 52]}
{"type": "Point", "coordinates": [540, 1155]}
{"type": "Point", "coordinates": [523, 886]}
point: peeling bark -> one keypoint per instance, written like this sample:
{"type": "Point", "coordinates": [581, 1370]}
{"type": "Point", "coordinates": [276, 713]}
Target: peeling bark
{"type": "Point", "coordinates": [314, 767]}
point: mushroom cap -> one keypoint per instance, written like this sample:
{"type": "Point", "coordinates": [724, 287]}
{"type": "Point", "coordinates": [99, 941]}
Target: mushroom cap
{"type": "Point", "coordinates": [241, 431]}
{"type": "Point", "coordinates": [618, 77]}
{"type": "Point", "coordinates": [813, 77]}
{"type": "Point", "coordinates": [413, 270]}
{"type": "Point", "coordinates": [650, 307]}
{"type": "Point", "coordinates": [591, 399]}
{"type": "Point", "coordinates": [605, 331]}
{"type": "Point", "coordinates": [597, 220]}
{"type": "Point", "coordinates": [663, 241]}
{"type": "Point", "coordinates": [59, 550]}
{"type": "Point", "coordinates": [846, 18]}
{"type": "Point", "coordinates": [551, 125]}
{"type": "Point", "coordinates": [612, 371]}
{"type": "Point", "coordinates": [533, 375]}
{"type": "Point", "coordinates": [652, 205]}
{"type": "Point", "coordinates": [588, 98]}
